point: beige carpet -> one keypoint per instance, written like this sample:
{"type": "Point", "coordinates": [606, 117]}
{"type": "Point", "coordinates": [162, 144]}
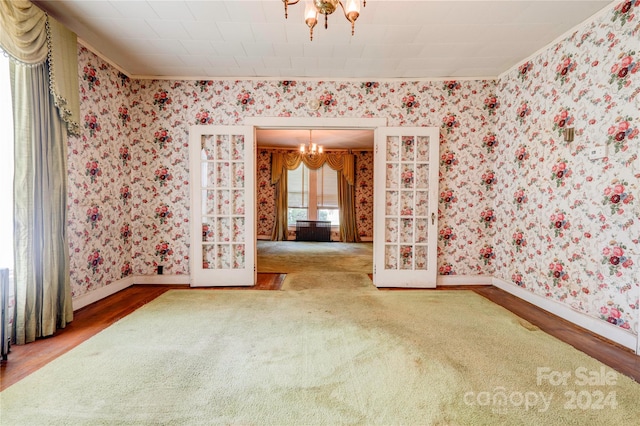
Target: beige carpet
{"type": "Point", "coordinates": [301, 256]}
{"type": "Point", "coordinates": [198, 357]}
{"type": "Point", "coordinates": [318, 281]}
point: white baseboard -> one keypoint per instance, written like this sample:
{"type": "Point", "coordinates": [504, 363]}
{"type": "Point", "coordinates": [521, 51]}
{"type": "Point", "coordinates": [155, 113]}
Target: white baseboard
{"type": "Point", "coordinates": [597, 326]}
{"type": "Point", "coordinates": [450, 280]}
{"type": "Point", "coordinates": [102, 292]}
{"type": "Point", "coordinates": [162, 279]}
{"type": "Point", "coordinates": [116, 286]}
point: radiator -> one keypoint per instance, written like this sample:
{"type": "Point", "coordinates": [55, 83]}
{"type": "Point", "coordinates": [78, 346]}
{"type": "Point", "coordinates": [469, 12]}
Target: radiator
{"type": "Point", "coordinates": [313, 230]}
{"type": "Point", "coordinates": [4, 316]}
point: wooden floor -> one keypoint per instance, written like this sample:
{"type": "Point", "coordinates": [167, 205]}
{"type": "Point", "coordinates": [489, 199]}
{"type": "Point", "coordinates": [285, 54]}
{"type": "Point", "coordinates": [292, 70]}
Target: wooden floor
{"type": "Point", "coordinates": [88, 321]}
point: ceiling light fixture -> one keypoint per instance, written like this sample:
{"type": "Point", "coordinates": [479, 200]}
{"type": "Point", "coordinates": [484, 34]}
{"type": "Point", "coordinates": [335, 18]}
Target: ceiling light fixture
{"type": "Point", "coordinates": [312, 149]}
{"type": "Point", "coordinates": [326, 7]}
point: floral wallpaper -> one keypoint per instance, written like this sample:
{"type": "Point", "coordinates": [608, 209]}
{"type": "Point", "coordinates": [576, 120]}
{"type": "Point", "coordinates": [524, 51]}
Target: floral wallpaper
{"type": "Point", "coordinates": [515, 200]}
{"type": "Point", "coordinates": [364, 194]}
{"type": "Point", "coordinates": [569, 225]}
{"type": "Point", "coordinates": [266, 204]}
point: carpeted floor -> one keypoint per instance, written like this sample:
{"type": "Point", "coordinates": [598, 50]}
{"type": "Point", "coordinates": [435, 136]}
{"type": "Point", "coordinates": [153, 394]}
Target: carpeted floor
{"type": "Point", "coordinates": [322, 357]}
{"type": "Point", "coordinates": [354, 281]}
{"type": "Point", "coordinates": [300, 256]}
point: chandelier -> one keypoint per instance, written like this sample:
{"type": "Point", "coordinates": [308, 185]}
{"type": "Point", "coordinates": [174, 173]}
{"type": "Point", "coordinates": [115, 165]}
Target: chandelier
{"type": "Point", "coordinates": [326, 7]}
{"type": "Point", "coordinates": [312, 148]}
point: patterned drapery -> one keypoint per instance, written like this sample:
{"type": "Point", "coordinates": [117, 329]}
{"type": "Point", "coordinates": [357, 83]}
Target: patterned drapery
{"type": "Point", "coordinates": [343, 164]}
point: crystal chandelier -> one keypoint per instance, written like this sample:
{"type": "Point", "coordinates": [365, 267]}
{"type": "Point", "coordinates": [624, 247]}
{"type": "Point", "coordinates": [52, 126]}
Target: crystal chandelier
{"type": "Point", "coordinates": [312, 148]}
{"type": "Point", "coordinates": [326, 7]}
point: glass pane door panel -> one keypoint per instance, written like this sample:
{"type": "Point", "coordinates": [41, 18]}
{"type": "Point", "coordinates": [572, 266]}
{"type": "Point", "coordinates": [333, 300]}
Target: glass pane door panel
{"type": "Point", "coordinates": [222, 202]}
{"type": "Point", "coordinates": [422, 226]}
{"type": "Point", "coordinates": [223, 256]}
{"type": "Point", "coordinates": [391, 204]}
{"type": "Point", "coordinates": [391, 256]}
{"type": "Point", "coordinates": [393, 148]}
{"type": "Point", "coordinates": [238, 202]}
{"type": "Point", "coordinates": [406, 203]}
{"type": "Point", "coordinates": [406, 230]}
{"type": "Point", "coordinates": [223, 229]}
{"type": "Point", "coordinates": [238, 256]}
{"type": "Point", "coordinates": [208, 234]}
{"type": "Point", "coordinates": [406, 257]}
{"type": "Point", "coordinates": [422, 203]}
{"type": "Point", "coordinates": [421, 257]}
{"type": "Point", "coordinates": [209, 147]}
{"type": "Point", "coordinates": [208, 256]}
{"type": "Point", "coordinates": [391, 233]}
{"type": "Point", "coordinates": [407, 177]}
{"type": "Point", "coordinates": [238, 147]}
{"type": "Point", "coordinates": [222, 147]}
{"type": "Point", "coordinates": [393, 175]}
{"type": "Point", "coordinates": [238, 229]}
{"type": "Point", "coordinates": [422, 148]}
{"type": "Point", "coordinates": [238, 175]}
{"type": "Point", "coordinates": [208, 203]}
{"type": "Point", "coordinates": [408, 148]}
{"type": "Point", "coordinates": [422, 176]}
{"type": "Point", "coordinates": [223, 179]}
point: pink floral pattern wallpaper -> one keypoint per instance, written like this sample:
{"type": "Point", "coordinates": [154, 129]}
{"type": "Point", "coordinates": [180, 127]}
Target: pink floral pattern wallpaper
{"type": "Point", "coordinates": [515, 200]}
{"type": "Point", "coordinates": [568, 224]}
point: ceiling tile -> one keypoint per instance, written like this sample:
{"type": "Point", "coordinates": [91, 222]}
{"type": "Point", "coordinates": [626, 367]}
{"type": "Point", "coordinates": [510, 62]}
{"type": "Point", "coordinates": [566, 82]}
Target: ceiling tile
{"type": "Point", "coordinates": [287, 50]}
{"type": "Point", "coordinates": [258, 49]}
{"type": "Point", "coordinates": [235, 31]}
{"type": "Point", "coordinates": [208, 11]}
{"type": "Point", "coordinates": [135, 9]}
{"type": "Point", "coordinates": [249, 61]}
{"type": "Point", "coordinates": [198, 47]}
{"type": "Point", "coordinates": [315, 50]}
{"type": "Point", "coordinates": [172, 10]}
{"type": "Point", "coordinates": [93, 9]}
{"type": "Point", "coordinates": [245, 11]}
{"type": "Point", "coordinates": [276, 62]}
{"type": "Point", "coordinates": [275, 33]}
{"type": "Point", "coordinates": [203, 31]}
{"type": "Point", "coordinates": [228, 49]}
{"type": "Point", "coordinates": [155, 46]}
{"type": "Point", "coordinates": [195, 60]}
{"type": "Point", "coordinates": [168, 29]}
{"type": "Point", "coordinates": [125, 28]}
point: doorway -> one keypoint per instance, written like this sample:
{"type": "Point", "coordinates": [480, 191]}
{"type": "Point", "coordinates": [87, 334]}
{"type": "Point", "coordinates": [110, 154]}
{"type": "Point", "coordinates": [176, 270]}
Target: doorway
{"type": "Point", "coordinates": [314, 196]}
{"type": "Point", "coordinates": [406, 249]}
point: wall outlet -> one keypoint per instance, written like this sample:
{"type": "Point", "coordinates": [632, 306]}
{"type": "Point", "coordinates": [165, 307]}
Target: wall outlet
{"type": "Point", "coordinates": [597, 152]}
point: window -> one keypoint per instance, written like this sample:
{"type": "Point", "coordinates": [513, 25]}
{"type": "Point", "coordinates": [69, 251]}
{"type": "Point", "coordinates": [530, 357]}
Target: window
{"type": "Point", "coordinates": [312, 194]}
{"type": "Point", "coordinates": [6, 166]}
{"type": "Point", "coordinates": [327, 195]}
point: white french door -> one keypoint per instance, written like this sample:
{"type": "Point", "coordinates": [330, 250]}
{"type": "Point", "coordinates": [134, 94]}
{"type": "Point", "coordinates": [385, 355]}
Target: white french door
{"type": "Point", "coordinates": [406, 207]}
{"type": "Point", "coordinates": [223, 240]}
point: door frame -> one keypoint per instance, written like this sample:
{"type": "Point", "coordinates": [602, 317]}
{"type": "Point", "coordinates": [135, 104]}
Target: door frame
{"type": "Point", "coordinates": [294, 123]}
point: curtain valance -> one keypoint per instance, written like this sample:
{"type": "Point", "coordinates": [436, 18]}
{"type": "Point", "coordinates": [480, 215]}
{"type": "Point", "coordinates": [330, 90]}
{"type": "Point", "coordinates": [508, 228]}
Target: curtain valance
{"type": "Point", "coordinates": [29, 36]}
{"type": "Point", "coordinates": [281, 161]}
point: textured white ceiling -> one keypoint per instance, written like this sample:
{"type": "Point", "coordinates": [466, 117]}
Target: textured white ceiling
{"type": "Point", "coordinates": [245, 39]}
